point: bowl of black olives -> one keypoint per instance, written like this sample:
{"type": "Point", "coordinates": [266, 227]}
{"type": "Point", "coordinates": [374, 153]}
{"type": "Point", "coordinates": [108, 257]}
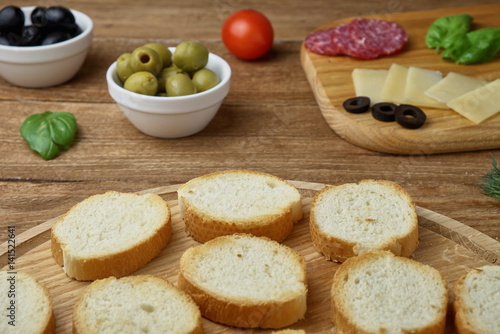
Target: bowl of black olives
{"type": "Point", "coordinates": [169, 92]}
{"type": "Point", "coordinates": [42, 46]}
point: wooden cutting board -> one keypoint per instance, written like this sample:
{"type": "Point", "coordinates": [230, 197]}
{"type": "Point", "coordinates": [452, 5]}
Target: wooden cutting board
{"type": "Point", "coordinates": [445, 244]}
{"type": "Point", "coordinates": [445, 130]}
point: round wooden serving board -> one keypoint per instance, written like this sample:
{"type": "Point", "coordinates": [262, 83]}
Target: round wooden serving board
{"type": "Point", "coordinates": [445, 130]}
{"type": "Point", "coordinates": [445, 244]}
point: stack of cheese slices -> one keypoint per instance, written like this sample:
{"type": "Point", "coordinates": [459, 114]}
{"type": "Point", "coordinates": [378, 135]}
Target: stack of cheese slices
{"type": "Point", "coordinates": [474, 98]}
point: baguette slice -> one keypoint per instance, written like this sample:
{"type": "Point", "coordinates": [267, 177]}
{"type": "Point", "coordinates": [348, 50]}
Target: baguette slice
{"type": "Point", "coordinates": [111, 234]}
{"type": "Point", "coordinates": [378, 292]}
{"type": "Point", "coordinates": [239, 201]}
{"type": "Point", "coordinates": [135, 304]}
{"type": "Point", "coordinates": [31, 310]}
{"type": "Point", "coordinates": [245, 281]}
{"type": "Point", "coordinates": [351, 219]}
{"type": "Point", "coordinates": [477, 301]}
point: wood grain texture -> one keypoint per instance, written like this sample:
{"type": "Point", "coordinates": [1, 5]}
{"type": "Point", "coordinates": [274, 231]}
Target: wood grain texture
{"type": "Point", "coordinates": [444, 243]}
{"type": "Point", "coordinates": [270, 121]}
{"type": "Point", "coordinates": [445, 130]}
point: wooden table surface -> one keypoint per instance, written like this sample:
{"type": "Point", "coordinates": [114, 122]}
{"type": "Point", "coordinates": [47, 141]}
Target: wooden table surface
{"type": "Point", "coordinates": [269, 122]}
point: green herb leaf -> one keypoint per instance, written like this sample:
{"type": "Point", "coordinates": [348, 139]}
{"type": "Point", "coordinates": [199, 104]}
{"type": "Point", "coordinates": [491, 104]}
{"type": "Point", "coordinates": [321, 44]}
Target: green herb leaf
{"type": "Point", "coordinates": [491, 181]}
{"type": "Point", "coordinates": [446, 30]}
{"type": "Point", "coordinates": [49, 132]}
{"type": "Point", "coordinates": [477, 46]}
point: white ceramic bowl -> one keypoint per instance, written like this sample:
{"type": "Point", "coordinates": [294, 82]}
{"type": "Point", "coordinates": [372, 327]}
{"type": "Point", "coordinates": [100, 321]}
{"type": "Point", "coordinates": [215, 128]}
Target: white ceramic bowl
{"type": "Point", "coordinates": [46, 65]}
{"type": "Point", "coordinates": [172, 117]}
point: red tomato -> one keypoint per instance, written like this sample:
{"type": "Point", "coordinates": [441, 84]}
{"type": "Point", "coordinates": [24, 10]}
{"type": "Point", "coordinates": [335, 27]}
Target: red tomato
{"type": "Point", "coordinates": [248, 34]}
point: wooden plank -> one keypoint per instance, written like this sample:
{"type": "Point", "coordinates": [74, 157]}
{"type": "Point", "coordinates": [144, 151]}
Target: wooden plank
{"type": "Point", "coordinates": [445, 244]}
{"type": "Point", "coordinates": [445, 130]}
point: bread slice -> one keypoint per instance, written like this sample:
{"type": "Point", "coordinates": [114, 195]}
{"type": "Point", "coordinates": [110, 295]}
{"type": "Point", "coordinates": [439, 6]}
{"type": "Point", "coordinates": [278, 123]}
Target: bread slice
{"type": "Point", "coordinates": [477, 301]}
{"type": "Point", "coordinates": [111, 234]}
{"type": "Point", "coordinates": [245, 281]}
{"type": "Point", "coordinates": [135, 304]}
{"type": "Point", "coordinates": [239, 201]}
{"type": "Point", "coordinates": [351, 219]}
{"type": "Point", "coordinates": [289, 331]}
{"type": "Point", "coordinates": [26, 306]}
{"type": "Point", "coordinates": [378, 292]}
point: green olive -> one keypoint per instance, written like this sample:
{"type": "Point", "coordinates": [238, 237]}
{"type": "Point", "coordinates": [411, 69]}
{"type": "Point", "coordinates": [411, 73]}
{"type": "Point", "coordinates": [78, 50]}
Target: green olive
{"type": "Point", "coordinates": [163, 52]}
{"type": "Point", "coordinates": [123, 68]}
{"type": "Point", "coordinates": [190, 56]}
{"type": "Point", "coordinates": [164, 74]}
{"type": "Point", "coordinates": [180, 84]}
{"type": "Point", "coordinates": [205, 79]}
{"type": "Point", "coordinates": [146, 59]}
{"type": "Point", "coordinates": [142, 82]}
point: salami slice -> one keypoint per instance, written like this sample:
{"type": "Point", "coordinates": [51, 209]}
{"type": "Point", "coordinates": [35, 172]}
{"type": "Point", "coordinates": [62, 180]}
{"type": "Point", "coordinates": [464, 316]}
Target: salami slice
{"type": "Point", "coordinates": [382, 37]}
{"type": "Point", "coordinates": [349, 46]}
{"type": "Point", "coordinates": [321, 42]}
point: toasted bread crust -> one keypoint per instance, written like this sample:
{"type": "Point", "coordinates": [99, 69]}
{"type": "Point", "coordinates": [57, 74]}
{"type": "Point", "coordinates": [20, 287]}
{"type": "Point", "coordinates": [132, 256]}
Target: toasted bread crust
{"type": "Point", "coordinates": [470, 313]}
{"type": "Point", "coordinates": [241, 312]}
{"type": "Point", "coordinates": [117, 264]}
{"type": "Point", "coordinates": [45, 319]}
{"type": "Point", "coordinates": [203, 227]}
{"type": "Point", "coordinates": [462, 323]}
{"type": "Point", "coordinates": [50, 321]}
{"type": "Point", "coordinates": [338, 249]}
{"type": "Point", "coordinates": [341, 315]}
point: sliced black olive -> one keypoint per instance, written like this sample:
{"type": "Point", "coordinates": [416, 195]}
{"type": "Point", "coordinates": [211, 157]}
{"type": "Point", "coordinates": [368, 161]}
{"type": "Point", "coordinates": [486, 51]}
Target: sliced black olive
{"type": "Point", "coordinates": [32, 35]}
{"type": "Point", "coordinates": [55, 37]}
{"type": "Point", "coordinates": [11, 19]}
{"type": "Point", "coordinates": [409, 116]}
{"type": "Point", "coordinates": [357, 105]}
{"type": "Point", "coordinates": [384, 111]}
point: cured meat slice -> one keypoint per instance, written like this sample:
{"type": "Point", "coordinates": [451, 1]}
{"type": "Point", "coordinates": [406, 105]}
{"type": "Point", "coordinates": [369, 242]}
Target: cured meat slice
{"type": "Point", "coordinates": [321, 42]}
{"type": "Point", "coordinates": [383, 37]}
{"type": "Point", "coordinates": [350, 46]}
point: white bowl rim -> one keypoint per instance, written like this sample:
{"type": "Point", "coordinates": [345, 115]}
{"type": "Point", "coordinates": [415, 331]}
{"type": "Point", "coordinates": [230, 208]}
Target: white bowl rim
{"type": "Point", "coordinates": [193, 98]}
{"type": "Point", "coordinates": [37, 48]}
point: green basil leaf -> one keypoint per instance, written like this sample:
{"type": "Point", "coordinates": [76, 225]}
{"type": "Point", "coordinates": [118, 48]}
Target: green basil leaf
{"type": "Point", "coordinates": [477, 46]}
{"type": "Point", "coordinates": [49, 132]}
{"type": "Point", "coordinates": [444, 31]}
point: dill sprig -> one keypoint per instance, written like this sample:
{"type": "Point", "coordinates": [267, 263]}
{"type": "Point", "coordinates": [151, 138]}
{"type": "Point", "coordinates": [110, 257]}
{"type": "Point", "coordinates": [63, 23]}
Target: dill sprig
{"type": "Point", "coordinates": [491, 181]}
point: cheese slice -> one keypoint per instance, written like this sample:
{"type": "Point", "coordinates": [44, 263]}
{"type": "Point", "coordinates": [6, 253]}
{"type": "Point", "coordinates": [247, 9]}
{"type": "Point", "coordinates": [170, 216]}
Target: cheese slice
{"type": "Point", "coordinates": [395, 84]}
{"type": "Point", "coordinates": [479, 104]}
{"type": "Point", "coordinates": [369, 83]}
{"type": "Point", "coordinates": [454, 85]}
{"type": "Point", "coordinates": [418, 81]}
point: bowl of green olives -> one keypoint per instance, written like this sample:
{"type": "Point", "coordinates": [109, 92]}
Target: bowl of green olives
{"type": "Point", "coordinates": [169, 92]}
{"type": "Point", "coordinates": [42, 46]}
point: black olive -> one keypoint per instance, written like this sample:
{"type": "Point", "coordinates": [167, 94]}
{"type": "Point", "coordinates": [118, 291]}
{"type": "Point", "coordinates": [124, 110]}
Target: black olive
{"type": "Point", "coordinates": [11, 19]}
{"type": "Point", "coordinates": [410, 117]}
{"type": "Point", "coordinates": [55, 37]}
{"type": "Point", "coordinates": [357, 105]}
{"type": "Point", "coordinates": [384, 111]}
{"type": "Point", "coordinates": [32, 35]}
{"type": "Point", "coordinates": [38, 16]}
{"type": "Point", "coordinates": [57, 15]}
